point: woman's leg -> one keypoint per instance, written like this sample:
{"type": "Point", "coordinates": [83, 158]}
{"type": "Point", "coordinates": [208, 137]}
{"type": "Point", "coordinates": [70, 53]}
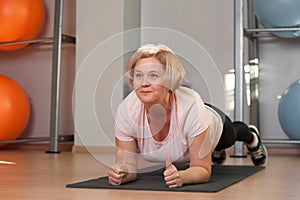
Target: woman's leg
{"type": "Point", "coordinates": [238, 131]}
{"type": "Point", "coordinates": [229, 133]}
{"type": "Point", "coordinates": [227, 139]}
{"type": "Point", "coordinates": [228, 136]}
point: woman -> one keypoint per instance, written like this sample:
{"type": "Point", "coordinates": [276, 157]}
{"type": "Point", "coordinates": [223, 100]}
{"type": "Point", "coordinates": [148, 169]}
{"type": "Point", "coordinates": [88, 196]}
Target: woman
{"type": "Point", "coordinates": [166, 122]}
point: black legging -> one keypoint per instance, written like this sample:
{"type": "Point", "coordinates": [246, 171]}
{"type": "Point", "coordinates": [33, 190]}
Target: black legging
{"type": "Point", "coordinates": [232, 131]}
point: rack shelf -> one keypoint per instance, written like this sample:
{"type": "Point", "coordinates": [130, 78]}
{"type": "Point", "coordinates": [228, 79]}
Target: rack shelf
{"type": "Point", "coordinates": [252, 32]}
{"type": "Point", "coordinates": [258, 32]}
{"type": "Point", "coordinates": [65, 38]}
{"type": "Point", "coordinates": [277, 141]}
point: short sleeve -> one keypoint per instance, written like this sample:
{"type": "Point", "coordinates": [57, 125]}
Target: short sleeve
{"type": "Point", "coordinates": [124, 129]}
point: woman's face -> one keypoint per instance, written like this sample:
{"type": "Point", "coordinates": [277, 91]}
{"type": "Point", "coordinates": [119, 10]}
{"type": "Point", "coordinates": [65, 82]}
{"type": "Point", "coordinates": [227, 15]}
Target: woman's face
{"type": "Point", "coordinates": [148, 81]}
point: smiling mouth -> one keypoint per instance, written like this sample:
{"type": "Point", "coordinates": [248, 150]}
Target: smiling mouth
{"type": "Point", "coordinates": [145, 92]}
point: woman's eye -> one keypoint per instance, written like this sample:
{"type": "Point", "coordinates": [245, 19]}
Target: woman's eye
{"type": "Point", "coordinates": [138, 76]}
{"type": "Point", "coordinates": [153, 76]}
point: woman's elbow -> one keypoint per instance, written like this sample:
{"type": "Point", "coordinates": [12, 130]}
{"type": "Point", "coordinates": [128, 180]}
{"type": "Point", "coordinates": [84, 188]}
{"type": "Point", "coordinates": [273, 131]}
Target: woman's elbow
{"type": "Point", "coordinates": [207, 177]}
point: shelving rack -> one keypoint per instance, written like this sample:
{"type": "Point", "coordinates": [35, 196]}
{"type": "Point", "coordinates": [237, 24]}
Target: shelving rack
{"type": "Point", "coordinates": [251, 31]}
{"type": "Point", "coordinates": [57, 40]}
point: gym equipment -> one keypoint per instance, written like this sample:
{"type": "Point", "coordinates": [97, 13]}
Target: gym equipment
{"type": "Point", "coordinates": [20, 20]}
{"type": "Point", "coordinates": [279, 14]}
{"type": "Point", "coordinates": [14, 109]}
{"type": "Point", "coordinates": [289, 111]}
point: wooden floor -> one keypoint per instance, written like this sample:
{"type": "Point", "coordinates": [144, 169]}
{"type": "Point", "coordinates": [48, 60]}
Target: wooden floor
{"type": "Point", "coordinates": [33, 174]}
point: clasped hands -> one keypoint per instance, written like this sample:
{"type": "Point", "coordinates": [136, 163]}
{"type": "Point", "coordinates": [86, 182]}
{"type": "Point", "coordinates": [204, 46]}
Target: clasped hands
{"type": "Point", "coordinates": [117, 174]}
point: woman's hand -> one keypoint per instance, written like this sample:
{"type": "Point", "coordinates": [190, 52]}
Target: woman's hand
{"type": "Point", "coordinates": [126, 166]}
{"type": "Point", "coordinates": [117, 173]}
{"type": "Point", "coordinates": [171, 174]}
{"type": "Point", "coordinates": [200, 164]}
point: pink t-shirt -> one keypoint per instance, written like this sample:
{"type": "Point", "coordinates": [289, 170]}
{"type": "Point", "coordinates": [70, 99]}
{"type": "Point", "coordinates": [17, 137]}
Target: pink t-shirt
{"type": "Point", "coordinates": [189, 118]}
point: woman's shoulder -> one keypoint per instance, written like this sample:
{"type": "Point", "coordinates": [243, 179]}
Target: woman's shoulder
{"type": "Point", "coordinates": [130, 98]}
{"type": "Point", "coordinates": [188, 100]}
{"type": "Point", "coordinates": [187, 94]}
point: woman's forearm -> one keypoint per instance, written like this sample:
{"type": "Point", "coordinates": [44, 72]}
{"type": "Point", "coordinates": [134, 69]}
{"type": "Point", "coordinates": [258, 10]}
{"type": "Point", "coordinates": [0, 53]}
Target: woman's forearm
{"type": "Point", "coordinates": [194, 174]}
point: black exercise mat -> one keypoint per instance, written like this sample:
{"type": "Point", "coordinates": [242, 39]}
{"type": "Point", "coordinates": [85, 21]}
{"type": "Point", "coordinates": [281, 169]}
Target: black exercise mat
{"type": "Point", "coordinates": [222, 177]}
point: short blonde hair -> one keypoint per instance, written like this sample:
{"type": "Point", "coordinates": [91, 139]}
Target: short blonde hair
{"type": "Point", "coordinates": [175, 72]}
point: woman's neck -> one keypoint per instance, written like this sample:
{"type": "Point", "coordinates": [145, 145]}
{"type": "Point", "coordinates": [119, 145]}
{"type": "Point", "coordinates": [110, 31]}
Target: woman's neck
{"type": "Point", "coordinates": [158, 116]}
{"type": "Point", "coordinates": [165, 102]}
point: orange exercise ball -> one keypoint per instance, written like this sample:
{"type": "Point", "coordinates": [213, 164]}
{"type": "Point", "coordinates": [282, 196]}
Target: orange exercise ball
{"type": "Point", "coordinates": [20, 20]}
{"type": "Point", "coordinates": [14, 109]}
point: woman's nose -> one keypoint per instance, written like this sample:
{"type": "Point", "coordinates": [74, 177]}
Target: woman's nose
{"type": "Point", "coordinates": [145, 81]}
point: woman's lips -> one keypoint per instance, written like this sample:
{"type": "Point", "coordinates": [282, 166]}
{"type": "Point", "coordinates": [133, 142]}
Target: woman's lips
{"type": "Point", "coordinates": [145, 92]}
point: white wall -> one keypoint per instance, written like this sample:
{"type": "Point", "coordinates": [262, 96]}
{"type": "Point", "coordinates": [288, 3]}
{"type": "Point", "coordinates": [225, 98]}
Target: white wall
{"type": "Point", "coordinates": [98, 22]}
{"type": "Point", "coordinates": [209, 22]}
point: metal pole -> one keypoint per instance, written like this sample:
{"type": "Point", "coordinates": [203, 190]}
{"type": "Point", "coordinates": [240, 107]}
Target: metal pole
{"type": "Point", "coordinates": [254, 70]}
{"type": "Point", "coordinates": [56, 65]}
{"type": "Point", "coordinates": [239, 69]}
